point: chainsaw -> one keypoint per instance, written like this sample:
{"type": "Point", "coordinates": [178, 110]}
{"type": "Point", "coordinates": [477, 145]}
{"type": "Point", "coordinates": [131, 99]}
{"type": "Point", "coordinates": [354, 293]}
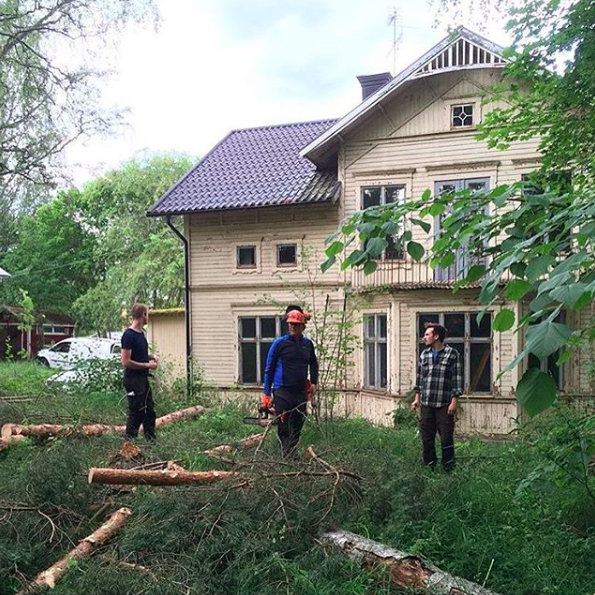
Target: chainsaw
{"type": "Point", "coordinates": [266, 408]}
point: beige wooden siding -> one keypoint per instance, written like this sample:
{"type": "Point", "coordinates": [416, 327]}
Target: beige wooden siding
{"type": "Point", "coordinates": [215, 322]}
{"type": "Point", "coordinates": [215, 238]}
{"type": "Point", "coordinates": [167, 335]}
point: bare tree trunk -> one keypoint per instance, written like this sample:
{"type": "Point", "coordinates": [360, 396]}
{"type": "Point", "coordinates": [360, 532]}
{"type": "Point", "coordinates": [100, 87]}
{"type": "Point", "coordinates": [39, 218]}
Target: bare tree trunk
{"type": "Point", "coordinates": [47, 430]}
{"type": "Point", "coordinates": [406, 570]}
{"type": "Point", "coordinates": [48, 578]}
{"type": "Point", "coordinates": [161, 477]}
{"type": "Point", "coordinates": [249, 442]}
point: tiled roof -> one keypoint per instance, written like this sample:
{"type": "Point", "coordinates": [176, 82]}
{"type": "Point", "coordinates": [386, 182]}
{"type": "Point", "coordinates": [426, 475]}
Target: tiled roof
{"type": "Point", "coordinates": [254, 167]}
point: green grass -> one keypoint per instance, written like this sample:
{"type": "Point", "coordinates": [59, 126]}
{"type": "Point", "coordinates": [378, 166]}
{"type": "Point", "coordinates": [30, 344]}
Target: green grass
{"type": "Point", "coordinates": [259, 537]}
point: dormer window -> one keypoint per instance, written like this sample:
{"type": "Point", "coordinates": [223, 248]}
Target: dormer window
{"type": "Point", "coordinates": [461, 115]}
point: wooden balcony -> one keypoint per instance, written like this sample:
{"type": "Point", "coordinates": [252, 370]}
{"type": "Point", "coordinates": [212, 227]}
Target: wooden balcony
{"type": "Point", "coordinates": [409, 274]}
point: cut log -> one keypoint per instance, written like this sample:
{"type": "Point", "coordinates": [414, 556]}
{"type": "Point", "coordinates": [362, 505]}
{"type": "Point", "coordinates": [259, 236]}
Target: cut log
{"type": "Point", "coordinates": [47, 430]}
{"type": "Point", "coordinates": [249, 442]}
{"type": "Point", "coordinates": [406, 570]}
{"type": "Point", "coordinates": [8, 441]}
{"type": "Point", "coordinates": [48, 578]}
{"type": "Point", "coordinates": [160, 477]}
{"type": "Point", "coordinates": [187, 413]}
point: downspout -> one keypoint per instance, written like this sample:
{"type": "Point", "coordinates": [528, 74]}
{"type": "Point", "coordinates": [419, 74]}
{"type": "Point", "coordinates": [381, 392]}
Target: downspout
{"type": "Point", "coordinates": [186, 302]}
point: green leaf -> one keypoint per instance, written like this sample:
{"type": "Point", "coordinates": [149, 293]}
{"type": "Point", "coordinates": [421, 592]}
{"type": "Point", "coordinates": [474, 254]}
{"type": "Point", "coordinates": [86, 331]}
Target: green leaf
{"type": "Point", "coordinates": [327, 264]}
{"type": "Point", "coordinates": [564, 357]}
{"type": "Point", "coordinates": [390, 228]}
{"type": "Point", "coordinates": [539, 266]}
{"type": "Point", "coordinates": [447, 260]}
{"type": "Point", "coordinates": [536, 391]}
{"type": "Point", "coordinates": [546, 337]}
{"type": "Point", "coordinates": [476, 272]}
{"type": "Point", "coordinates": [375, 246]}
{"type": "Point", "coordinates": [427, 194]}
{"type": "Point", "coordinates": [569, 294]}
{"type": "Point", "coordinates": [504, 320]}
{"type": "Point", "coordinates": [370, 267]}
{"type": "Point", "coordinates": [436, 209]}
{"type": "Point", "coordinates": [415, 250]}
{"type": "Point", "coordinates": [334, 249]}
{"type": "Point", "coordinates": [407, 236]}
{"type": "Point", "coordinates": [423, 224]}
{"type": "Point", "coordinates": [516, 289]}
{"type": "Point", "coordinates": [518, 269]}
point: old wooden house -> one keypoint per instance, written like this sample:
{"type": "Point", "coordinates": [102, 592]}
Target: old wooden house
{"type": "Point", "coordinates": [258, 208]}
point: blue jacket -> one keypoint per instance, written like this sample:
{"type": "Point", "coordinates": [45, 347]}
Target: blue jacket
{"type": "Point", "coordinates": [288, 362]}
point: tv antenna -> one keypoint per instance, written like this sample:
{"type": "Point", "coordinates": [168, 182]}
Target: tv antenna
{"type": "Point", "coordinates": [393, 18]}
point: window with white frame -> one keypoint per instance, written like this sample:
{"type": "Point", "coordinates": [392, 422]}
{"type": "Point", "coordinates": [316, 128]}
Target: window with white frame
{"type": "Point", "coordinates": [463, 259]}
{"type": "Point", "coordinates": [373, 196]}
{"type": "Point", "coordinates": [375, 351]}
{"type": "Point", "coordinates": [286, 255]}
{"type": "Point", "coordinates": [461, 115]}
{"type": "Point", "coordinates": [246, 257]}
{"type": "Point", "coordinates": [473, 341]}
{"type": "Point", "coordinates": [255, 336]}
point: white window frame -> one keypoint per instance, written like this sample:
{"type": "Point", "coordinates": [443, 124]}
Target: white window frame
{"type": "Point", "coordinates": [377, 342]}
{"type": "Point", "coordinates": [400, 200]}
{"type": "Point", "coordinates": [258, 340]}
{"type": "Point", "coordinates": [466, 340]}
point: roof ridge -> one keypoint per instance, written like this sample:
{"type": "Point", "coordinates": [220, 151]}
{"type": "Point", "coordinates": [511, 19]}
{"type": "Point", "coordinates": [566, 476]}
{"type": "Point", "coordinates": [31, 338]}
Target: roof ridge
{"type": "Point", "coordinates": [284, 125]}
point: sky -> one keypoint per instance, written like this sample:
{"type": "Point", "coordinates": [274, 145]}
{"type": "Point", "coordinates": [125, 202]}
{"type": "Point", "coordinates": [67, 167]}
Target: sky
{"type": "Point", "coordinates": [212, 66]}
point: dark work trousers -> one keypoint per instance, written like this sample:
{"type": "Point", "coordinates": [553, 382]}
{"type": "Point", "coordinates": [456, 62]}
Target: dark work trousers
{"type": "Point", "coordinates": [141, 410]}
{"type": "Point", "coordinates": [437, 419]}
{"type": "Point", "coordinates": [290, 411]}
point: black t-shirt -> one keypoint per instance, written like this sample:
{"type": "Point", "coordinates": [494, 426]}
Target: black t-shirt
{"type": "Point", "coordinates": [137, 343]}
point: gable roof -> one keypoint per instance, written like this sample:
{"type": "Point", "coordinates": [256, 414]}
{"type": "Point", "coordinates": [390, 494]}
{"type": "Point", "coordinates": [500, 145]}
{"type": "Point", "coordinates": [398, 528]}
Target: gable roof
{"type": "Point", "coordinates": [462, 49]}
{"type": "Point", "coordinates": [254, 167]}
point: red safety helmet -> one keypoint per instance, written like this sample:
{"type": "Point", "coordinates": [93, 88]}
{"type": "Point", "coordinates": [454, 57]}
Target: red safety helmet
{"type": "Point", "coordinates": [296, 317]}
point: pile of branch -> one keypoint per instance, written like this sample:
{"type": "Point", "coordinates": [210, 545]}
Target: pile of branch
{"type": "Point", "coordinates": [48, 578]}
{"type": "Point", "coordinates": [406, 570]}
{"type": "Point", "coordinates": [9, 431]}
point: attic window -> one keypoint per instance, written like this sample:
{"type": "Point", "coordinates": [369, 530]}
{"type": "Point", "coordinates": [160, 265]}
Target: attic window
{"type": "Point", "coordinates": [286, 255]}
{"type": "Point", "coordinates": [246, 256]}
{"type": "Point", "coordinates": [462, 116]}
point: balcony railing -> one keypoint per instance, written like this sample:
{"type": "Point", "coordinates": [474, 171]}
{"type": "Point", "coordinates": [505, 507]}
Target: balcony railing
{"type": "Point", "coordinates": [410, 274]}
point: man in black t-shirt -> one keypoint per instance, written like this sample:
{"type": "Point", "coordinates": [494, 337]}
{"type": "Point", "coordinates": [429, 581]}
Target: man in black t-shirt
{"type": "Point", "coordinates": [137, 361]}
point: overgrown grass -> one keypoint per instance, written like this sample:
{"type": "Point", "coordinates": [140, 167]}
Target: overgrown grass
{"type": "Point", "coordinates": [260, 536]}
{"type": "Point", "coordinates": [22, 378]}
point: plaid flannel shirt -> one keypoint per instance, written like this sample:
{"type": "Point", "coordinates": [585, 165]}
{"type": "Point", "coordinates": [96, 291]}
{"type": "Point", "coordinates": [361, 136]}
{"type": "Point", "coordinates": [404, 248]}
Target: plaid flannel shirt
{"type": "Point", "coordinates": [441, 380]}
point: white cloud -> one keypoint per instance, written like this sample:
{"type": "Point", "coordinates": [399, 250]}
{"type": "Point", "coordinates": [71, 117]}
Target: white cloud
{"type": "Point", "coordinates": [217, 65]}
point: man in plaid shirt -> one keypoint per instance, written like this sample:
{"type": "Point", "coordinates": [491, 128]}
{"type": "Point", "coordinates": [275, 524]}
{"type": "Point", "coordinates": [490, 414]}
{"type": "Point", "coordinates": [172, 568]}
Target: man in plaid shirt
{"type": "Point", "coordinates": [439, 384]}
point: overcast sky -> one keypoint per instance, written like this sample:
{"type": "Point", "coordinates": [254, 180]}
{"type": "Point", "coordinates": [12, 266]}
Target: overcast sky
{"type": "Point", "coordinates": [217, 65]}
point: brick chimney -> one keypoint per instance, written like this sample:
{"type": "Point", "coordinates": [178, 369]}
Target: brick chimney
{"type": "Point", "coordinates": [372, 82]}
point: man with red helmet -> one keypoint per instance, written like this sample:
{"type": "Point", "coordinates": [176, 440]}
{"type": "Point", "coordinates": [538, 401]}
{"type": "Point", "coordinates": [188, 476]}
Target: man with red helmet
{"type": "Point", "coordinates": [286, 378]}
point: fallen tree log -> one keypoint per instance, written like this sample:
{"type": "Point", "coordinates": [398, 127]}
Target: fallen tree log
{"type": "Point", "coordinates": [47, 430]}
{"type": "Point", "coordinates": [187, 413]}
{"type": "Point", "coordinates": [160, 477]}
{"type": "Point", "coordinates": [249, 442]}
{"type": "Point", "coordinates": [406, 570]}
{"type": "Point", "coordinates": [48, 578]}
{"type": "Point", "coordinates": [9, 440]}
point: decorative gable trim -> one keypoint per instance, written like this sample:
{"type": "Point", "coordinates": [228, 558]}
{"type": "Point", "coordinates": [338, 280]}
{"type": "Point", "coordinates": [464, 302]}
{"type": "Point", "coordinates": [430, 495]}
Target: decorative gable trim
{"type": "Point", "coordinates": [459, 54]}
{"type": "Point", "coordinates": [321, 147]}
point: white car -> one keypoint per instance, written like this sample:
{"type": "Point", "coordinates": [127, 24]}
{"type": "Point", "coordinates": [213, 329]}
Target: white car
{"type": "Point", "coordinates": [68, 353]}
